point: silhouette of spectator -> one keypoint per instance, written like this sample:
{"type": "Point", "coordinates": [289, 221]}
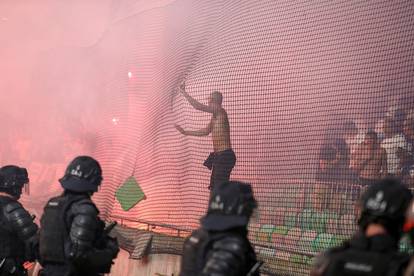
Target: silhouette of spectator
{"type": "Point", "coordinates": [327, 164]}
{"type": "Point", "coordinates": [333, 161]}
{"type": "Point", "coordinates": [352, 136]}
{"type": "Point", "coordinates": [335, 153]}
{"type": "Point", "coordinates": [369, 161]}
{"type": "Point", "coordinates": [407, 160]}
{"type": "Point", "coordinates": [223, 159]}
{"type": "Point", "coordinates": [408, 131]}
{"type": "Point", "coordinates": [395, 145]}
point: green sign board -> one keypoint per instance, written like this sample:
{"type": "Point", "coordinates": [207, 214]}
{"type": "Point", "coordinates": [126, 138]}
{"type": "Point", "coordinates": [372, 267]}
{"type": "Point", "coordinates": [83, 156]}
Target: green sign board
{"type": "Point", "coordinates": [129, 193]}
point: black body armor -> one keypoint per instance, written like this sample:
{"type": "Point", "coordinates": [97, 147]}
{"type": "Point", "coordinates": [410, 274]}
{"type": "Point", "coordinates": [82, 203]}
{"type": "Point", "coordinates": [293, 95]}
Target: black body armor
{"type": "Point", "coordinates": [71, 238]}
{"type": "Point", "coordinates": [18, 240]}
{"type": "Point", "coordinates": [54, 232]}
{"type": "Point", "coordinates": [10, 245]}
{"type": "Point", "coordinates": [227, 253]}
{"type": "Point", "coordinates": [375, 256]}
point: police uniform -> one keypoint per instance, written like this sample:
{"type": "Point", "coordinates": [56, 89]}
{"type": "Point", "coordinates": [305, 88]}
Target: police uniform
{"type": "Point", "coordinates": [18, 232]}
{"type": "Point", "coordinates": [409, 229]}
{"type": "Point", "coordinates": [385, 204]}
{"type": "Point", "coordinates": [72, 238]}
{"type": "Point", "coordinates": [377, 255]}
{"type": "Point", "coordinates": [220, 247]}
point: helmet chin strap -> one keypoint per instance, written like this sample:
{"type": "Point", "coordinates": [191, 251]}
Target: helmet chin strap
{"type": "Point", "coordinates": [11, 195]}
{"type": "Point", "coordinates": [5, 194]}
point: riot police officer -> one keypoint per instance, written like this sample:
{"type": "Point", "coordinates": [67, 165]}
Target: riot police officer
{"type": "Point", "coordinates": [220, 246]}
{"type": "Point", "coordinates": [18, 232]}
{"type": "Point", "coordinates": [409, 229]}
{"type": "Point", "coordinates": [374, 249]}
{"type": "Point", "coordinates": [72, 239]}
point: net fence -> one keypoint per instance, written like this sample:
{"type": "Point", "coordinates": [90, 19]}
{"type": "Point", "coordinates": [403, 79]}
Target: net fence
{"type": "Point", "coordinates": [303, 82]}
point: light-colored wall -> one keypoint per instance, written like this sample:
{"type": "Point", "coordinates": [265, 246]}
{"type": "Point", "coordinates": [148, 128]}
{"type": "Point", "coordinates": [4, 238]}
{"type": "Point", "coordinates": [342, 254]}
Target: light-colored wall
{"type": "Point", "coordinates": [154, 265]}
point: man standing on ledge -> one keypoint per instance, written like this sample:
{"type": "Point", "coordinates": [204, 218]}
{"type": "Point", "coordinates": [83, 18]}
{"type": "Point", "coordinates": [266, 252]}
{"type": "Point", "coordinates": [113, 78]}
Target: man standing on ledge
{"type": "Point", "coordinates": [223, 159]}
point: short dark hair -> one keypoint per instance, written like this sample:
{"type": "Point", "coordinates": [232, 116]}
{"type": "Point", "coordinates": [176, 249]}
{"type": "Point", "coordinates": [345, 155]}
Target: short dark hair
{"type": "Point", "coordinates": [217, 96]}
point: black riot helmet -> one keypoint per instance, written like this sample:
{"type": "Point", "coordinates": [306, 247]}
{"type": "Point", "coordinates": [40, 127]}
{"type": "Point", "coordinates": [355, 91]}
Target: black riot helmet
{"type": "Point", "coordinates": [231, 205]}
{"type": "Point", "coordinates": [385, 203]}
{"type": "Point", "coordinates": [83, 175]}
{"type": "Point", "coordinates": [13, 179]}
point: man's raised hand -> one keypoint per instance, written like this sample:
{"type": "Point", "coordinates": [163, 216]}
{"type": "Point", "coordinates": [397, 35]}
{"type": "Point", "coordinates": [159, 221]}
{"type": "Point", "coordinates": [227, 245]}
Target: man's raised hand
{"type": "Point", "coordinates": [182, 87]}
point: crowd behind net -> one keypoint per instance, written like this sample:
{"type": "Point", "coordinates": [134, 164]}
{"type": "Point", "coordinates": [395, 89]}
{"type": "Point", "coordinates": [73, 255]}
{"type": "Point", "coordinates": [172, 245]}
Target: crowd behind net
{"type": "Point", "coordinates": [303, 82]}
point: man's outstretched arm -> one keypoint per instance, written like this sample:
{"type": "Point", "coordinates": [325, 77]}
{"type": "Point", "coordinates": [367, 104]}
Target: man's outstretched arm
{"type": "Point", "coordinates": [196, 104]}
{"type": "Point", "coordinates": [201, 132]}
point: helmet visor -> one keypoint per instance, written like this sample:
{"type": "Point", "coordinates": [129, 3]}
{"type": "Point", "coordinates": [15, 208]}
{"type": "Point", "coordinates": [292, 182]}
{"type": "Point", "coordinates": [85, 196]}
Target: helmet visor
{"type": "Point", "coordinates": [26, 188]}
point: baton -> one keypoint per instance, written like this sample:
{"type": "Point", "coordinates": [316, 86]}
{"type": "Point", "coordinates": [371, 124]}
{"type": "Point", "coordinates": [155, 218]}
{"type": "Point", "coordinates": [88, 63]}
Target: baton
{"type": "Point", "coordinates": [255, 268]}
{"type": "Point", "coordinates": [2, 262]}
{"type": "Point", "coordinates": [110, 227]}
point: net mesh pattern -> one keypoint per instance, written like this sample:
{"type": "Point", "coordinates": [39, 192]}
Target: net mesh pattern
{"type": "Point", "coordinates": [292, 74]}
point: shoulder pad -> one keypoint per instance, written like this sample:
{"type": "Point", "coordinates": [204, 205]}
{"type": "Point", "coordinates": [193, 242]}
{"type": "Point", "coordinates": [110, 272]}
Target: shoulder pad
{"type": "Point", "coordinates": [85, 219]}
{"type": "Point", "coordinates": [232, 243]}
{"type": "Point", "coordinates": [21, 221]}
{"type": "Point", "coordinates": [228, 257]}
{"type": "Point", "coordinates": [84, 228]}
{"type": "Point", "coordinates": [197, 236]}
{"type": "Point", "coordinates": [86, 207]}
{"type": "Point", "coordinates": [12, 206]}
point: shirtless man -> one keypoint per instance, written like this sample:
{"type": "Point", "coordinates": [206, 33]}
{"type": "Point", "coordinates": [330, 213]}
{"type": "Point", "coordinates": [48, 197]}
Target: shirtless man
{"type": "Point", "coordinates": [223, 159]}
{"type": "Point", "coordinates": [370, 160]}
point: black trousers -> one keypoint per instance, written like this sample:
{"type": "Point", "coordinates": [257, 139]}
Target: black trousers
{"type": "Point", "coordinates": [221, 163]}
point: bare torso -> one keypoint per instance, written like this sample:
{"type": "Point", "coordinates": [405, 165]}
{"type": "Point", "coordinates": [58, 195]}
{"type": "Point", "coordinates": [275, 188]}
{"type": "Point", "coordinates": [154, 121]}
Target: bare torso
{"type": "Point", "coordinates": [220, 129]}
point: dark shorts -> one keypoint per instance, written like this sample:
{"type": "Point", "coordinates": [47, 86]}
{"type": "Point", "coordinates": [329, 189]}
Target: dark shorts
{"type": "Point", "coordinates": [221, 163]}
